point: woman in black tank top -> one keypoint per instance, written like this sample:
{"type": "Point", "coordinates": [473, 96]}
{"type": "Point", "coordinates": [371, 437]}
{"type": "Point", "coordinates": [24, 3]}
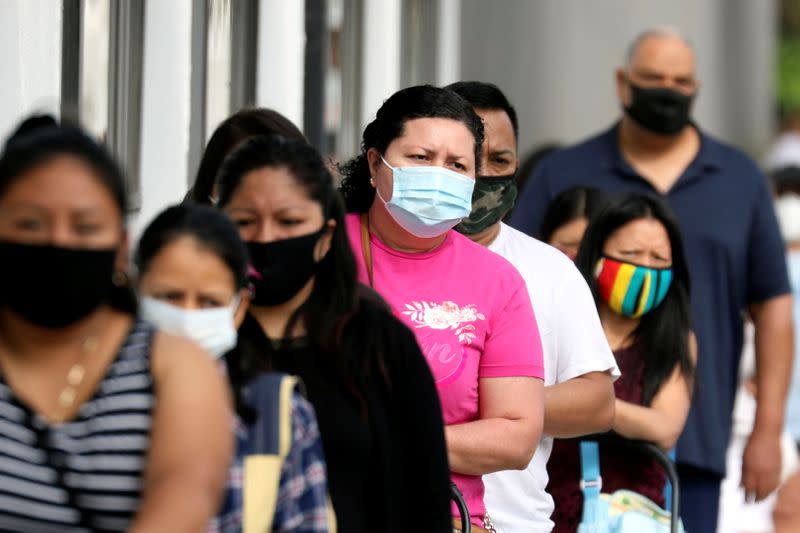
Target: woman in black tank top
{"type": "Point", "coordinates": [99, 414]}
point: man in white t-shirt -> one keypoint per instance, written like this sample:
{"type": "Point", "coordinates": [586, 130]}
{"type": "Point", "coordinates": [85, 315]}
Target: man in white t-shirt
{"type": "Point", "coordinates": [579, 366]}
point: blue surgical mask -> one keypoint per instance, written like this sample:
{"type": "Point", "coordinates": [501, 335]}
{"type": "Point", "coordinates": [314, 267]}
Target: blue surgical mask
{"type": "Point", "coordinates": [428, 201]}
{"type": "Point", "coordinates": [212, 329]}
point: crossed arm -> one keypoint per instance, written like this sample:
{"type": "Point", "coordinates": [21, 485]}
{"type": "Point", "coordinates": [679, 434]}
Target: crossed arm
{"type": "Point", "coordinates": [507, 432]}
{"type": "Point", "coordinates": [662, 421]}
{"type": "Point", "coordinates": [579, 406]}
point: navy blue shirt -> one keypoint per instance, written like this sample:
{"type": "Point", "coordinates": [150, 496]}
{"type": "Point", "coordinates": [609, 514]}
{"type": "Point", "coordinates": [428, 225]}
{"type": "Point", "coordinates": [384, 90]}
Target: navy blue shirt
{"type": "Point", "coordinates": [733, 248]}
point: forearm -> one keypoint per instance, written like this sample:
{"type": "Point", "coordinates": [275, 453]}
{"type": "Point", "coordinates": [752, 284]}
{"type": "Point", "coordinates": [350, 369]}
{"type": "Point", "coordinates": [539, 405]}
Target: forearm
{"type": "Point", "coordinates": [492, 444]}
{"type": "Point", "coordinates": [774, 343]}
{"type": "Point", "coordinates": [579, 406]}
{"type": "Point", "coordinates": [644, 423]}
{"type": "Point", "coordinates": [176, 504]}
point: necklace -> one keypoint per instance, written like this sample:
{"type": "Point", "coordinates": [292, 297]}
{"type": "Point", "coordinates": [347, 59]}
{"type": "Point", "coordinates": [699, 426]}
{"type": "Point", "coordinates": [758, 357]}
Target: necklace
{"type": "Point", "coordinates": [76, 374]}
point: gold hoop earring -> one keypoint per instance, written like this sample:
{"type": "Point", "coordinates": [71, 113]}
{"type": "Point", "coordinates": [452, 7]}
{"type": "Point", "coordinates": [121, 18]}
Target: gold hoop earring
{"type": "Point", "coordinates": [119, 279]}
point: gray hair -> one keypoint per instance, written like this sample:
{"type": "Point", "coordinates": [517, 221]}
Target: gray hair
{"type": "Point", "coordinates": [659, 31]}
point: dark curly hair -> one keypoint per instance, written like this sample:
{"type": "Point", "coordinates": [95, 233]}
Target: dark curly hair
{"type": "Point", "coordinates": [421, 101]}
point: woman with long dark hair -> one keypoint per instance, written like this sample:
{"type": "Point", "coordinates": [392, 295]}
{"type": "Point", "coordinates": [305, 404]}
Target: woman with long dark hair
{"type": "Point", "coordinates": [409, 187]}
{"type": "Point", "coordinates": [230, 133]}
{"type": "Point", "coordinates": [100, 413]}
{"type": "Point", "coordinates": [632, 258]}
{"type": "Point", "coordinates": [379, 417]}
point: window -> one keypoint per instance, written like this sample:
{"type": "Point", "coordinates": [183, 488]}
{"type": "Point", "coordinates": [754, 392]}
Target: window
{"type": "Point", "coordinates": [101, 87]}
{"type": "Point", "coordinates": [223, 81]}
{"type": "Point", "coordinates": [342, 94]}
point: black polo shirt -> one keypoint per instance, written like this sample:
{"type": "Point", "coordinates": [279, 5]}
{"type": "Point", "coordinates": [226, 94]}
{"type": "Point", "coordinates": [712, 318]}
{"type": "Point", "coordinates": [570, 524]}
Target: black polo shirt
{"type": "Point", "coordinates": [733, 249]}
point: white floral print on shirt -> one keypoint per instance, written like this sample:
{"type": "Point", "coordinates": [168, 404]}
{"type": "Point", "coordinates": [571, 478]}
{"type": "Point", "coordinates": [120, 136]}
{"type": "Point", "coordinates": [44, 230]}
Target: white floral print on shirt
{"type": "Point", "coordinates": [449, 330]}
{"type": "Point", "coordinates": [446, 315]}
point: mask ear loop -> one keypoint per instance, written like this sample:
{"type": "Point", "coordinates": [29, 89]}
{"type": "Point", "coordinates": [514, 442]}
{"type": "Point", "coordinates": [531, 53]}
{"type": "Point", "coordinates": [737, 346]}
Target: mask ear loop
{"type": "Point", "coordinates": [375, 185]}
{"type": "Point", "coordinates": [386, 163]}
{"type": "Point", "coordinates": [320, 234]}
{"type": "Point", "coordinates": [235, 304]}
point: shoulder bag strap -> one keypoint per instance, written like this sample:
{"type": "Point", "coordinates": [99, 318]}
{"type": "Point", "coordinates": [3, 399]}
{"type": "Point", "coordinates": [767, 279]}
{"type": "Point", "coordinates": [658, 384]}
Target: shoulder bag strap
{"type": "Point", "coordinates": [271, 440]}
{"type": "Point", "coordinates": [591, 482]}
{"type": "Point", "coordinates": [366, 249]}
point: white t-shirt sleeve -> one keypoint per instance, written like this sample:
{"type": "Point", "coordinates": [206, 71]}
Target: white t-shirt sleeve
{"type": "Point", "coordinates": [578, 338]}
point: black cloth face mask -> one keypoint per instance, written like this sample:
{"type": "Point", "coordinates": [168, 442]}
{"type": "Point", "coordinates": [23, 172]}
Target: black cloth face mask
{"type": "Point", "coordinates": [494, 196]}
{"type": "Point", "coordinates": [658, 109]}
{"type": "Point", "coordinates": [281, 268]}
{"type": "Point", "coordinates": [52, 286]}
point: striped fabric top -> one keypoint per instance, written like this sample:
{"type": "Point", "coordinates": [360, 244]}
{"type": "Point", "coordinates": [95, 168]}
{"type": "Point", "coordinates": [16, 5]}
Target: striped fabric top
{"type": "Point", "coordinates": [86, 474]}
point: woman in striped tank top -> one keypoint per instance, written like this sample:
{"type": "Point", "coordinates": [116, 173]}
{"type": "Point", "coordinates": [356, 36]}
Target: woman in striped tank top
{"type": "Point", "coordinates": [105, 425]}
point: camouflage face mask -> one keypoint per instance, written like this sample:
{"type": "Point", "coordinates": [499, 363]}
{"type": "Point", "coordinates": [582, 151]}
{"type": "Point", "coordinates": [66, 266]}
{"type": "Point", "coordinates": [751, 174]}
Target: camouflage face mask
{"type": "Point", "coordinates": [493, 197]}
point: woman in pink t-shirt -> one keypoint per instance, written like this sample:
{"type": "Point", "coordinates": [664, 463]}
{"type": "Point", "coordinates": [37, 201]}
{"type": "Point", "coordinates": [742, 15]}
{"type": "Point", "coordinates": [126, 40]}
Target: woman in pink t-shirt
{"type": "Point", "coordinates": [468, 307]}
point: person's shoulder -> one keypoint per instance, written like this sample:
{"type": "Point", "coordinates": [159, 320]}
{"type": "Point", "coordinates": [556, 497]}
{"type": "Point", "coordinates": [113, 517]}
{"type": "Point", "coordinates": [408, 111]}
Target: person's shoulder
{"type": "Point", "coordinates": [373, 315]}
{"type": "Point", "coordinates": [539, 263]}
{"type": "Point", "coordinates": [377, 327]}
{"type": "Point", "coordinates": [176, 359]}
{"type": "Point", "coordinates": [583, 152]}
{"type": "Point", "coordinates": [516, 246]}
{"type": "Point", "coordinates": [481, 260]}
{"type": "Point", "coordinates": [730, 159]}
{"type": "Point", "coordinates": [370, 301]}
{"type": "Point", "coordinates": [352, 222]}
{"type": "Point", "coordinates": [491, 278]}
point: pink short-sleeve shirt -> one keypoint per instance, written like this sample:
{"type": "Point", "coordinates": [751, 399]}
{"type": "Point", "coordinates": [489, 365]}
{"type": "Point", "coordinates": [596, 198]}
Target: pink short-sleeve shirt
{"type": "Point", "coordinates": [471, 313]}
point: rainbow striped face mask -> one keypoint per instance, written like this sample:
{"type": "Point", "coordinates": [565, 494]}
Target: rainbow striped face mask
{"type": "Point", "coordinates": [631, 290]}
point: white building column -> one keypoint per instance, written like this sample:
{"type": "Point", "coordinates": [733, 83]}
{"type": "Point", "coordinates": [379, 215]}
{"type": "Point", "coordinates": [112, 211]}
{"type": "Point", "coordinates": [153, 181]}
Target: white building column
{"type": "Point", "coordinates": [166, 98]}
{"type": "Point", "coordinates": [30, 52]}
{"type": "Point", "coordinates": [380, 68]}
{"type": "Point", "coordinates": [448, 49]}
{"type": "Point", "coordinates": [280, 71]}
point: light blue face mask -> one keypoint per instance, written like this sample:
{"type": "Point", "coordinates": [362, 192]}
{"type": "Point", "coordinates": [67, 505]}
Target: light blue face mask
{"type": "Point", "coordinates": [428, 201]}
